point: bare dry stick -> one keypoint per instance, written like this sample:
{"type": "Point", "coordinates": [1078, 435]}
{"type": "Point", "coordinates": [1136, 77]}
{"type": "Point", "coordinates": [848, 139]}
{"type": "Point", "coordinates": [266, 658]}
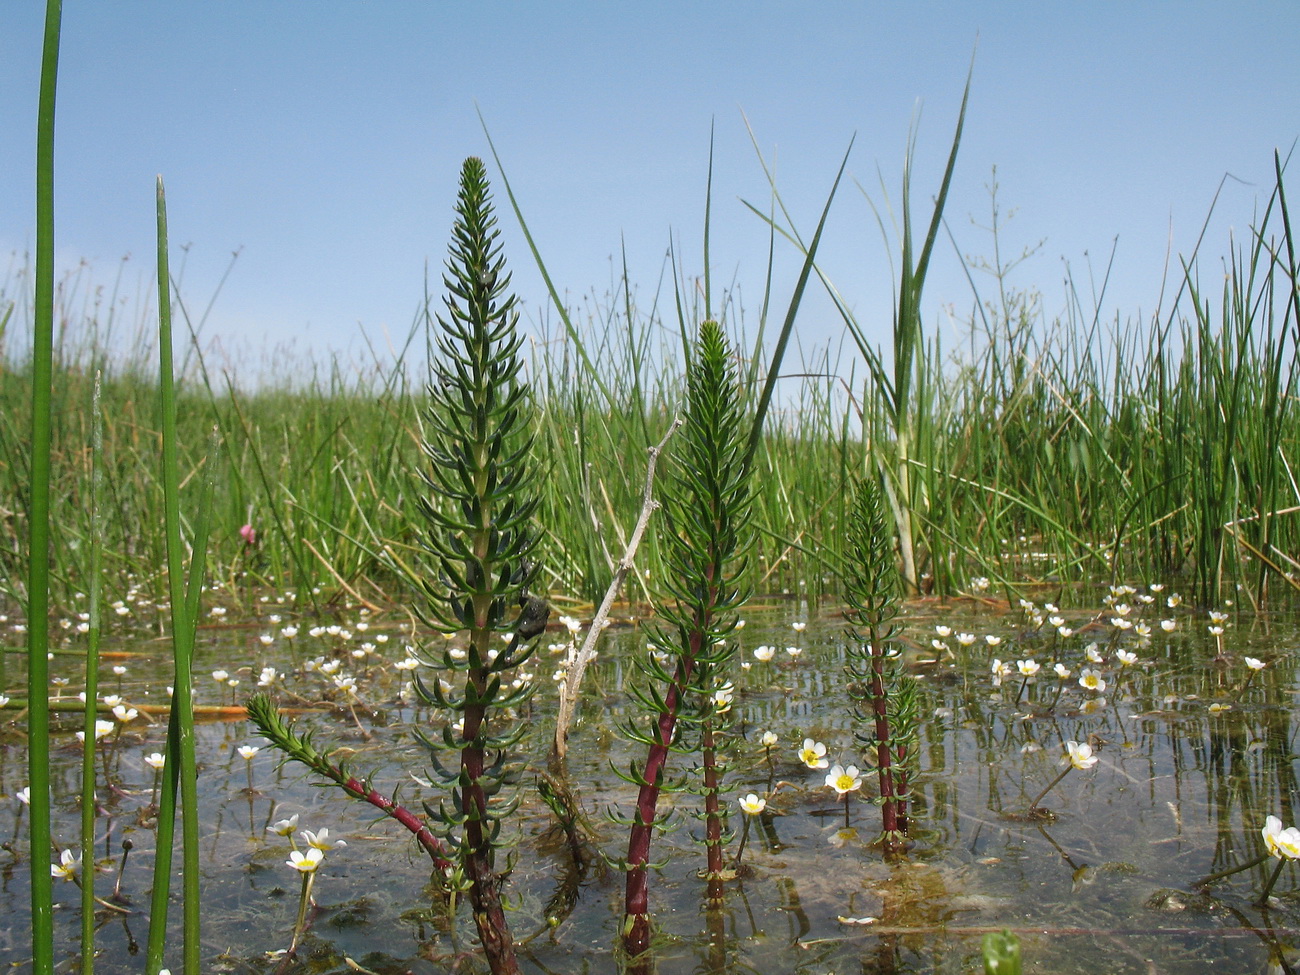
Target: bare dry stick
{"type": "Point", "coordinates": [579, 660]}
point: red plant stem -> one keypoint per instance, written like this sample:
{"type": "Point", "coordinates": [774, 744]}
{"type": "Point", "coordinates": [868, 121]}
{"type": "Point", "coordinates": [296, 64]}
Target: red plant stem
{"type": "Point", "coordinates": [422, 834]}
{"type": "Point", "coordinates": [884, 752]}
{"type": "Point", "coordinates": [712, 812]}
{"type": "Point", "coordinates": [636, 900]}
{"type": "Point", "coordinates": [484, 894]}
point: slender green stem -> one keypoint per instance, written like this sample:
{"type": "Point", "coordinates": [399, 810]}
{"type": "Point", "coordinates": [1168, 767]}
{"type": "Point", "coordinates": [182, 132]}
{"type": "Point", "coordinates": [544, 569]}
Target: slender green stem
{"type": "Point", "coordinates": [38, 577]}
{"type": "Point", "coordinates": [1272, 879]}
{"type": "Point", "coordinates": [89, 807]}
{"type": "Point", "coordinates": [1212, 878]}
{"type": "Point", "coordinates": [1050, 786]}
{"type": "Point", "coordinates": [184, 589]}
{"type": "Point", "coordinates": [304, 899]}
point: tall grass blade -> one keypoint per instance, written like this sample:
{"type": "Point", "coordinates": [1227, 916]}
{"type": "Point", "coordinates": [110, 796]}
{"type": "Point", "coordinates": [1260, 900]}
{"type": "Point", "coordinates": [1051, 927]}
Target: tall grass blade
{"type": "Point", "coordinates": [560, 309]}
{"type": "Point", "coordinates": [38, 577]}
{"type": "Point", "coordinates": [184, 594]}
{"type": "Point", "coordinates": [783, 338]}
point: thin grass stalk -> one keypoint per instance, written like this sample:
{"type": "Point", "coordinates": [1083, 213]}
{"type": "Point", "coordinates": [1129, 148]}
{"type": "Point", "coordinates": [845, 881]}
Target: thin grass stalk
{"type": "Point", "coordinates": [181, 751]}
{"type": "Point", "coordinates": [38, 577]}
{"type": "Point", "coordinates": [89, 805]}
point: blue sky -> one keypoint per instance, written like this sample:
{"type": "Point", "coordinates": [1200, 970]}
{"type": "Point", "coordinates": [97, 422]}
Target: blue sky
{"type": "Point", "coordinates": [324, 140]}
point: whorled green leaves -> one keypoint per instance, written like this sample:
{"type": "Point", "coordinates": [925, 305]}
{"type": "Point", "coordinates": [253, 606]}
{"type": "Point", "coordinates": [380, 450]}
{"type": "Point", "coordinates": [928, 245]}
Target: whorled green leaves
{"type": "Point", "coordinates": [706, 532]}
{"type": "Point", "coordinates": [883, 696]}
{"type": "Point", "coordinates": [479, 498]}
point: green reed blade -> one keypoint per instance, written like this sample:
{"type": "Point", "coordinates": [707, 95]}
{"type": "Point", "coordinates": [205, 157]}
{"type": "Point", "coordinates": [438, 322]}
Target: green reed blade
{"type": "Point", "coordinates": [180, 742]}
{"type": "Point", "coordinates": [787, 327]}
{"type": "Point", "coordinates": [560, 309]}
{"type": "Point", "coordinates": [38, 578]}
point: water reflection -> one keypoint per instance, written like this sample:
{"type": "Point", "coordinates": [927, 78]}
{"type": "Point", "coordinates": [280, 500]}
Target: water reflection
{"type": "Point", "coordinates": [1179, 793]}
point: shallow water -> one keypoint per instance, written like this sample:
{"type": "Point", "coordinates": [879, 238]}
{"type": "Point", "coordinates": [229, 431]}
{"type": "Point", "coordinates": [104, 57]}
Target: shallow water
{"type": "Point", "coordinates": [1104, 884]}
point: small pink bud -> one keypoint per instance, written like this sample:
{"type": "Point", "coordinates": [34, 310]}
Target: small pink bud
{"type": "Point", "coordinates": [249, 534]}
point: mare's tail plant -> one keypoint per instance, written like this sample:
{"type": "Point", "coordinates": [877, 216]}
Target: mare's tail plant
{"type": "Point", "coordinates": [480, 495]}
{"type": "Point", "coordinates": [884, 698]}
{"type": "Point", "coordinates": [706, 532]}
{"type": "Point", "coordinates": [478, 501]}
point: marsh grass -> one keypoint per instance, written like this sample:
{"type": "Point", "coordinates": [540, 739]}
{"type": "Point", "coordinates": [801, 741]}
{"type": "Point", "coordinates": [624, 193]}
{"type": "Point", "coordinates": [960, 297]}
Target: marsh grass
{"type": "Point", "coordinates": [1059, 451]}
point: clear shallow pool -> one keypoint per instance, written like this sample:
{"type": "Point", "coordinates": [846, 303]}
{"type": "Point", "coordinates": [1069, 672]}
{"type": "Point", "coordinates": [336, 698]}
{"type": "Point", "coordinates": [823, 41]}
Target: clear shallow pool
{"type": "Point", "coordinates": [1103, 884]}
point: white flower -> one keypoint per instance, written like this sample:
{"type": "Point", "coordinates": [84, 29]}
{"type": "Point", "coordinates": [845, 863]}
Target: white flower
{"type": "Point", "coordinates": [102, 728]}
{"type": "Point", "coordinates": [794, 651]}
{"type": "Point", "coordinates": [798, 626]}
{"type": "Point", "coordinates": [992, 640]}
{"type": "Point", "coordinates": [289, 632]}
{"type": "Point", "coordinates": [1126, 658]}
{"type": "Point", "coordinates": [722, 698]}
{"type": "Point", "coordinates": [1093, 654]}
{"type": "Point", "coordinates": [66, 868]}
{"type": "Point", "coordinates": [266, 639]}
{"type": "Point", "coordinates": [119, 670]}
{"type": "Point", "coordinates": [410, 663]}
{"type": "Point", "coordinates": [844, 780]}
{"type": "Point", "coordinates": [965, 639]}
{"type": "Point", "coordinates": [24, 795]}
{"type": "Point", "coordinates": [1090, 680]}
{"type": "Point", "coordinates": [1168, 625]}
{"type": "Point", "coordinates": [1254, 663]}
{"type": "Point", "coordinates": [267, 677]}
{"type": "Point", "coordinates": [305, 862]}
{"type": "Point", "coordinates": [769, 739]}
{"type": "Point", "coordinates": [1216, 630]}
{"type": "Point", "coordinates": [321, 840]}
{"type": "Point", "coordinates": [752, 804]}
{"type": "Point", "coordinates": [246, 752]}
{"type": "Point", "coordinates": [1218, 617]}
{"type": "Point", "coordinates": [764, 654]}
{"type": "Point", "coordinates": [155, 760]}
{"type": "Point", "coordinates": [571, 624]}
{"type": "Point", "coordinates": [1080, 756]}
{"type": "Point", "coordinates": [1062, 671]}
{"type": "Point", "coordinates": [1282, 843]}
{"type": "Point", "coordinates": [220, 676]}
{"type": "Point", "coordinates": [813, 754]}
{"type": "Point", "coordinates": [943, 631]}
{"type": "Point", "coordinates": [1027, 667]}
{"type": "Point", "coordinates": [125, 714]}
{"type": "Point", "coordinates": [979, 583]}
{"type": "Point", "coordinates": [286, 826]}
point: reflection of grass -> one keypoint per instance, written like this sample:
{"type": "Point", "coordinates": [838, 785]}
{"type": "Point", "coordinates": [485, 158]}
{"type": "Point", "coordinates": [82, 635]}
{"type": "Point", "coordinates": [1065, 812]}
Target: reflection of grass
{"type": "Point", "coordinates": [969, 871]}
